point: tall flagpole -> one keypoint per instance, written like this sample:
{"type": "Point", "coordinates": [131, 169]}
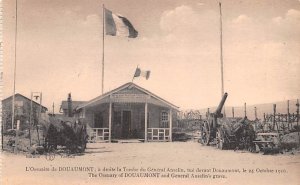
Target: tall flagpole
{"type": "Point", "coordinates": [134, 73]}
{"type": "Point", "coordinates": [221, 54]}
{"type": "Point", "coordinates": [15, 69]}
{"type": "Point", "coordinates": [103, 15]}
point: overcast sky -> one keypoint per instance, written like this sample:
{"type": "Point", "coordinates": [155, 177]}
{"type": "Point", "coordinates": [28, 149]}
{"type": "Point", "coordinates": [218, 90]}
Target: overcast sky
{"type": "Point", "coordinates": [59, 49]}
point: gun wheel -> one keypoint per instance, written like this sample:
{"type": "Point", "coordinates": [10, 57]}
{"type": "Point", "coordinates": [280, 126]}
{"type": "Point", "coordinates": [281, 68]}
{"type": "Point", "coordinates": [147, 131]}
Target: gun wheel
{"type": "Point", "coordinates": [205, 134]}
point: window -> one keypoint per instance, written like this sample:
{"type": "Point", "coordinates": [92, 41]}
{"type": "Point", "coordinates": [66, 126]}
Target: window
{"type": "Point", "coordinates": [164, 119]}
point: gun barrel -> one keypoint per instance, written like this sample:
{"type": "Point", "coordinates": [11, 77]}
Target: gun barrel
{"type": "Point", "coordinates": [221, 104]}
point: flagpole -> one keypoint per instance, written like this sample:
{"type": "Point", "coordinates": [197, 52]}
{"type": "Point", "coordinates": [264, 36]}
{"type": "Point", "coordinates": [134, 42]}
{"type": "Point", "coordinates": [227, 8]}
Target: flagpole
{"type": "Point", "coordinates": [132, 78]}
{"type": "Point", "coordinates": [15, 69]}
{"type": "Point", "coordinates": [103, 15]}
{"type": "Point", "coordinates": [221, 55]}
{"type": "Point", "coordinates": [134, 73]}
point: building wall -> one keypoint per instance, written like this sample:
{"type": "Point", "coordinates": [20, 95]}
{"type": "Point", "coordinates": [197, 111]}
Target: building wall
{"type": "Point", "coordinates": [22, 112]}
{"type": "Point", "coordinates": [155, 116]}
{"type": "Point", "coordinates": [90, 114]}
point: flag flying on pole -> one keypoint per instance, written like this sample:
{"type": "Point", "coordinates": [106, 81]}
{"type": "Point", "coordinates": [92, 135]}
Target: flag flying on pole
{"type": "Point", "coordinates": [117, 25]}
{"type": "Point", "coordinates": [139, 72]}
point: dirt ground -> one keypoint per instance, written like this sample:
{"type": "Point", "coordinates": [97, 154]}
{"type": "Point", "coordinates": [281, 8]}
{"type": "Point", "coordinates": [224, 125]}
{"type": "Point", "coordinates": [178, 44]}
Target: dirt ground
{"type": "Point", "coordinates": [251, 168]}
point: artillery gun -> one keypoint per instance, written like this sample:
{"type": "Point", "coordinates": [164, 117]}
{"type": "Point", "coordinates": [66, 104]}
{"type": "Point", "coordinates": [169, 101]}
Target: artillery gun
{"type": "Point", "coordinates": [209, 126]}
{"type": "Point", "coordinates": [227, 133]}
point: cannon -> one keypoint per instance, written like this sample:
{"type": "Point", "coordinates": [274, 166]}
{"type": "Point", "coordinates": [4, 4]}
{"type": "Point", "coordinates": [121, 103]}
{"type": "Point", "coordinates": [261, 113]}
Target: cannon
{"type": "Point", "coordinates": [69, 133]}
{"type": "Point", "coordinates": [235, 134]}
{"type": "Point", "coordinates": [227, 133]}
{"type": "Point", "coordinates": [209, 126]}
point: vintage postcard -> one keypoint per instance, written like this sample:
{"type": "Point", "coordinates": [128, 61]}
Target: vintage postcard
{"type": "Point", "coordinates": [150, 92]}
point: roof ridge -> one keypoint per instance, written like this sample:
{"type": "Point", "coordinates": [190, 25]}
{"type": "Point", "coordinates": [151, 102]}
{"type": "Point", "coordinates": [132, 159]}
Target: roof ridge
{"type": "Point", "coordinates": [124, 86]}
{"type": "Point", "coordinates": [25, 98]}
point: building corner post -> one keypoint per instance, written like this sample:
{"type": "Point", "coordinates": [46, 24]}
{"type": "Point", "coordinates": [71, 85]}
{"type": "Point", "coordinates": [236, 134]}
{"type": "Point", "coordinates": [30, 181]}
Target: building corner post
{"type": "Point", "coordinates": [146, 121]}
{"type": "Point", "coordinates": [171, 126]}
{"type": "Point", "coordinates": [109, 120]}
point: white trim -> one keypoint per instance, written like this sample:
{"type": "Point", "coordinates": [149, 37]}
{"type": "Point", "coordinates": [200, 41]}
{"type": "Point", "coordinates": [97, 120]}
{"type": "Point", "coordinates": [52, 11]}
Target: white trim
{"type": "Point", "coordinates": [123, 87]}
{"type": "Point", "coordinates": [98, 134]}
{"type": "Point", "coordinates": [164, 122]}
{"type": "Point", "coordinates": [160, 135]}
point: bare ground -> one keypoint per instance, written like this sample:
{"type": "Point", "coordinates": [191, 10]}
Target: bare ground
{"type": "Point", "coordinates": [155, 155]}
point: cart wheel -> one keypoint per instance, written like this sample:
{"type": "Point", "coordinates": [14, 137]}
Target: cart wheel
{"type": "Point", "coordinates": [252, 149]}
{"type": "Point", "coordinates": [205, 134]}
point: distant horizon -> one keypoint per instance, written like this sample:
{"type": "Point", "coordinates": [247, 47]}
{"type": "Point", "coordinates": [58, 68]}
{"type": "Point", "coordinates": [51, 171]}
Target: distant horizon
{"type": "Point", "coordinates": [292, 106]}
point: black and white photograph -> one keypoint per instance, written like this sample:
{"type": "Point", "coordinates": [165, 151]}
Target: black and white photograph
{"type": "Point", "coordinates": [150, 92]}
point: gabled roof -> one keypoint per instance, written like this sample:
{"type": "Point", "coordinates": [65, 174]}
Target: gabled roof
{"type": "Point", "coordinates": [129, 84]}
{"type": "Point", "coordinates": [64, 104]}
{"type": "Point", "coordinates": [18, 94]}
{"type": "Point", "coordinates": [75, 104]}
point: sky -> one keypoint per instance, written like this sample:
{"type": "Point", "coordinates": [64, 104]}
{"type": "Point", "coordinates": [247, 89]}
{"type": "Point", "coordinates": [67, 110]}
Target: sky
{"type": "Point", "coordinates": [59, 50]}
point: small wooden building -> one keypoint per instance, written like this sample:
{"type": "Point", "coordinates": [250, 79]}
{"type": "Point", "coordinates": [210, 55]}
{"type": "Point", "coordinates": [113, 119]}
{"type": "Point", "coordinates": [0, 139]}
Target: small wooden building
{"type": "Point", "coordinates": [64, 106]}
{"type": "Point", "coordinates": [22, 112]}
{"type": "Point", "coordinates": [129, 112]}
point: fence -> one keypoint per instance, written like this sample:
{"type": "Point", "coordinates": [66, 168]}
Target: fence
{"type": "Point", "coordinates": [281, 122]}
{"type": "Point", "coordinates": [98, 134]}
{"type": "Point", "coordinates": [158, 134]}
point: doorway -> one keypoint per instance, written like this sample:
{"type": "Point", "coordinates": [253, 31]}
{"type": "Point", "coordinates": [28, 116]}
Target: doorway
{"type": "Point", "coordinates": [126, 124]}
{"type": "Point", "coordinates": [98, 119]}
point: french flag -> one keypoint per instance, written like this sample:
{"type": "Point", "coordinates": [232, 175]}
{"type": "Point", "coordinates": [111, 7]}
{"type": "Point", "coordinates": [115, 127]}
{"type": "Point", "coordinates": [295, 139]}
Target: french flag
{"type": "Point", "coordinates": [143, 73]}
{"type": "Point", "coordinates": [117, 25]}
